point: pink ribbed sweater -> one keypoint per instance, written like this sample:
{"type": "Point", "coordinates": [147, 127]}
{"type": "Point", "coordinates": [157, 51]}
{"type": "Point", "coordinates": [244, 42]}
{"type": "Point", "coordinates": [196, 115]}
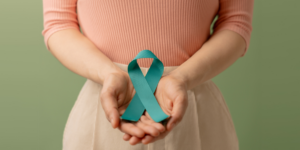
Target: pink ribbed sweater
{"type": "Point", "coordinates": [172, 29]}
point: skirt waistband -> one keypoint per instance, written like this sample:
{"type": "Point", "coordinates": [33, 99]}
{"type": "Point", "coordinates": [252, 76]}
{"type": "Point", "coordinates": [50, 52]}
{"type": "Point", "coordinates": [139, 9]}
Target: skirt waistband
{"type": "Point", "coordinates": [167, 69]}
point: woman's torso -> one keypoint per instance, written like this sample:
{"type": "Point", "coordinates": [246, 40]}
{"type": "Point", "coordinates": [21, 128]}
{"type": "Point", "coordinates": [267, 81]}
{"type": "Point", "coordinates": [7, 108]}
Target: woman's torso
{"type": "Point", "coordinates": [172, 29]}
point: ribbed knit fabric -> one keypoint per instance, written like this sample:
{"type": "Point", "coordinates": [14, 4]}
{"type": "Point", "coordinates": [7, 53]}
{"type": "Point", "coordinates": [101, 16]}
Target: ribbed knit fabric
{"type": "Point", "coordinates": [172, 29]}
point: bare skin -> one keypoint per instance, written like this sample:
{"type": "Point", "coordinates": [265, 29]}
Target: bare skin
{"type": "Point", "coordinates": [81, 56]}
{"type": "Point", "coordinates": [216, 55]}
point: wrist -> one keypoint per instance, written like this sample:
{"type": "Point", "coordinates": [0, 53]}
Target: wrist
{"type": "Point", "coordinates": [180, 77]}
{"type": "Point", "coordinates": [107, 71]}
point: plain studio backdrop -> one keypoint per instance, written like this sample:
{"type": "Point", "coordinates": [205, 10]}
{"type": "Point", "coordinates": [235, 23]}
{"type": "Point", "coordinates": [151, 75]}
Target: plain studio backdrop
{"type": "Point", "coordinates": [261, 89]}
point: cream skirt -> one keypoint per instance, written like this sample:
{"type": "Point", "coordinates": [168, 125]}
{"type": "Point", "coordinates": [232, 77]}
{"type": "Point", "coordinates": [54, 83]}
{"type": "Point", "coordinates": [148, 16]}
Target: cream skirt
{"type": "Point", "coordinates": [206, 125]}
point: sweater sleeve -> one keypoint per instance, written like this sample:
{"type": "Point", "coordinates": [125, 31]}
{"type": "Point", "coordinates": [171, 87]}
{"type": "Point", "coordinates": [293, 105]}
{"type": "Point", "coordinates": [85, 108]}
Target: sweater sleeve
{"type": "Point", "coordinates": [236, 15]}
{"type": "Point", "coordinates": [58, 15]}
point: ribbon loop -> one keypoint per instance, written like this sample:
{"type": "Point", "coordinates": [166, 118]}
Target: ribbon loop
{"type": "Point", "coordinates": [145, 86]}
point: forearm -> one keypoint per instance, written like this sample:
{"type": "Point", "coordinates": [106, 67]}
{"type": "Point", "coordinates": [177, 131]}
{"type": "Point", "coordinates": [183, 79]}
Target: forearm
{"type": "Point", "coordinates": [216, 55]}
{"type": "Point", "coordinates": [80, 55]}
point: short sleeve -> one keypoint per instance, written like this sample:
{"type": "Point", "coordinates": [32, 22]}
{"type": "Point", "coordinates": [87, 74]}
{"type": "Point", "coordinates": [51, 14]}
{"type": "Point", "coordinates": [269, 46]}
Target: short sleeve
{"type": "Point", "coordinates": [236, 15]}
{"type": "Point", "coordinates": [58, 15]}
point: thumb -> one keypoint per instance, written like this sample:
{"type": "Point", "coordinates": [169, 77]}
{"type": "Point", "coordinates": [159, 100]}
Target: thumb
{"type": "Point", "coordinates": [178, 111]}
{"type": "Point", "coordinates": [110, 106]}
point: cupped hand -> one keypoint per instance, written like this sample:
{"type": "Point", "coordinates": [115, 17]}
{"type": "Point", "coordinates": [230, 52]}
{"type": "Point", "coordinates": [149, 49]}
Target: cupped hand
{"type": "Point", "coordinates": [115, 96]}
{"type": "Point", "coordinates": [148, 138]}
{"type": "Point", "coordinates": [153, 130]}
{"type": "Point", "coordinates": [171, 94]}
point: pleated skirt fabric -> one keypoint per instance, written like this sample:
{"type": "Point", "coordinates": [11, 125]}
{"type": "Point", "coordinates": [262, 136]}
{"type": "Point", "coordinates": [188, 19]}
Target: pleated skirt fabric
{"type": "Point", "coordinates": [206, 125]}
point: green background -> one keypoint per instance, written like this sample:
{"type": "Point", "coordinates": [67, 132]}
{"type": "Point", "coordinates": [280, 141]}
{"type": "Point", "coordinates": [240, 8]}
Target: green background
{"type": "Point", "coordinates": [261, 88]}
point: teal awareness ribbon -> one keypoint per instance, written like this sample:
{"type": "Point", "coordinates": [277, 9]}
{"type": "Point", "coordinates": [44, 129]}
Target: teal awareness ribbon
{"type": "Point", "coordinates": [144, 86]}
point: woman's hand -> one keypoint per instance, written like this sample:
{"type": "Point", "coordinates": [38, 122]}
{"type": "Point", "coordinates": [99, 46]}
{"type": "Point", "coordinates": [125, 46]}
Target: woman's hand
{"type": "Point", "coordinates": [171, 94]}
{"type": "Point", "coordinates": [148, 138]}
{"type": "Point", "coordinates": [116, 93]}
{"type": "Point", "coordinates": [115, 96]}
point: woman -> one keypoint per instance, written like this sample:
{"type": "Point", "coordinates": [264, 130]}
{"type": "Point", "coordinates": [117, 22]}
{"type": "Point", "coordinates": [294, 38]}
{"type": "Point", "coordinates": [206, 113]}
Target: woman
{"type": "Point", "coordinates": [178, 33]}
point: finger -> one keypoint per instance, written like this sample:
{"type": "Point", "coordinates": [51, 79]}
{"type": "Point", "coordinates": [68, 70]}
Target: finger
{"type": "Point", "coordinates": [126, 96]}
{"type": "Point", "coordinates": [147, 139]}
{"type": "Point", "coordinates": [150, 122]}
{"type": "Point", "coordinates": [126, 137]}
{"type": "Point", "coordinates": [133, 92]}
{"type": "Point", "coordinates": [121, 99]}
{"type": "Point", "coordinates": [134, 140]}
{"type": "Point", "coordinates": [148, 129]}
{"type": "Point", "coordinates": [178, 111]}
{"type": "Point", "coordinates": [110, 106]}
{"type": "Point", "coordinates": [131, 129]}
{"type": "Point", "coordinates": [153, 139]}
{"type": "Point", "coordinates": [123, 108]}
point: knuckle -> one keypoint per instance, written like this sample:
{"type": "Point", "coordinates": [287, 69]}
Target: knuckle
{"type": "Point", "coordinates": [110, 111]}
{"type": "Point", "coordinates": [178, 118]}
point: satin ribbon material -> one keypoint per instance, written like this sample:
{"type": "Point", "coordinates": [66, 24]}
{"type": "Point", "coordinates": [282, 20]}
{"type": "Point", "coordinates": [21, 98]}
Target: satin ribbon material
{"type": "Point", "coordinates": [145, 86]}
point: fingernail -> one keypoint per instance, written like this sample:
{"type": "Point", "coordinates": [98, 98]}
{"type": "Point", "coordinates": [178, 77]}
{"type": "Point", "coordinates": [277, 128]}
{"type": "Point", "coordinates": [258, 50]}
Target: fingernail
{"type": "Point", "coordinates": [112, 122]}
{"type": "Point", "coordinates": [110, 119]}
